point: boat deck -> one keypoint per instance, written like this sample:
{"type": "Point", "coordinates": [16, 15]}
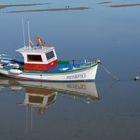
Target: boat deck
{"type": "Point", "coordinates": [62, 66]}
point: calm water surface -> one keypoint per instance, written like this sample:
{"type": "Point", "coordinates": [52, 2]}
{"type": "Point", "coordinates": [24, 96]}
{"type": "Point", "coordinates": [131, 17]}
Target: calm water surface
{"type": "Point", "coordinates": [108, 30]}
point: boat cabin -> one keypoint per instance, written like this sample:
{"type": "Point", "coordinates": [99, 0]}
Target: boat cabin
{"type": "Point", "coordinates": [39, 58]}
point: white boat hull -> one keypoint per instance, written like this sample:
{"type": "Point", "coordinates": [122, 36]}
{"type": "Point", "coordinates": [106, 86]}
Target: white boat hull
{"type": "Point", "coordinates": [83, 74]}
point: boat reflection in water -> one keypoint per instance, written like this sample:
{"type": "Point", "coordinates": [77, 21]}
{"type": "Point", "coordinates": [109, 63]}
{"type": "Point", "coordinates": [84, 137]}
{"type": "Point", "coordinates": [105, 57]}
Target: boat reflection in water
{"type": "Point", "coordinates": [83, 89]}
{"type": "Point", "coordinates": [43, 94]}
{"type": "Point", "coordinates": [39, 98]}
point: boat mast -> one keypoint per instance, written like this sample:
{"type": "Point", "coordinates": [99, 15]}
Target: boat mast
{"type": "Point", "coordinates": [29, 36]}
{"type": "Point", "coordinates": [23, 31]}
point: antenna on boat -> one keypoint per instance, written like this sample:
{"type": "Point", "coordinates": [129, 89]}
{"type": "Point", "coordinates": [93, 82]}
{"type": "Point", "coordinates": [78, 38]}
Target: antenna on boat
{"type": "Point", "coordinates": [29, 37]}
{"type": "Point", "coordinates": [23, 31]}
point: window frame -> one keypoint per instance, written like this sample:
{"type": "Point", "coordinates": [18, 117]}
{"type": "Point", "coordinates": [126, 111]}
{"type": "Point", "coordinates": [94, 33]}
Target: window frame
{"type": "Point", "coordinates": [48, 59]}
{"type": "Point", "coordinates": [35, 60]}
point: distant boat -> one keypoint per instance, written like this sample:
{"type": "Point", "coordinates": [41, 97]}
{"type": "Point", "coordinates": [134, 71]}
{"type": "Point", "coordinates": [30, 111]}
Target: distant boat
{"type": "Point", "coordinates": [41, 64]}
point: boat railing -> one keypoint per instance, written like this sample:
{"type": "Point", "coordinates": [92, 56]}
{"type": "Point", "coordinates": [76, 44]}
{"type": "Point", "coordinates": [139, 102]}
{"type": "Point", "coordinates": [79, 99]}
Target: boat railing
{"type": "Point", "coordinates": [36, 47]}
{"type": "Point", "coordinates": [83, 61]}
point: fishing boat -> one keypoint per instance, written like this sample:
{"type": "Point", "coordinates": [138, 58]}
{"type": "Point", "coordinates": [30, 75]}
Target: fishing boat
{"type": "Point", "coordinates": [40, 63]}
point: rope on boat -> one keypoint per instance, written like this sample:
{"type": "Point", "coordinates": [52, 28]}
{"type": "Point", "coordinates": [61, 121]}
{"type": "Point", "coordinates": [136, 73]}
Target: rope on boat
{"type": "Point", "coordinates": [110, 73]}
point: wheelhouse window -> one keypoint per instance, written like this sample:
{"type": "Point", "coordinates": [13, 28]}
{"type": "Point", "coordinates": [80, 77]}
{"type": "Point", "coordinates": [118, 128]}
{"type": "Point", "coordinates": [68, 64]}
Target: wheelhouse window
{"type": "Point", "coordinates": [50, 55]}
{"type": "Point", "coordinates": [51, 98]}
{"type": "Point", "coordinates": [35, 99]}
{"type": "Point", "coordinates": [34, 58]}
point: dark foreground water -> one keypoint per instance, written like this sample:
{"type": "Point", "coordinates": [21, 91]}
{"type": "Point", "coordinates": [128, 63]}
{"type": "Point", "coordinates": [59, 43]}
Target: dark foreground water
{"type": "Point", "coordinates": [106, 109]}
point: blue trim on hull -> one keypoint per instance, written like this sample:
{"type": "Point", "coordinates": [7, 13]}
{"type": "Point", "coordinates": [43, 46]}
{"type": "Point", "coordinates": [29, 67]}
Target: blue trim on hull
{"type": "Point", "coordinates": [68, 81]}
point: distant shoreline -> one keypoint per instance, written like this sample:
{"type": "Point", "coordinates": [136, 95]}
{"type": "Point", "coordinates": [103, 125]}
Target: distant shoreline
{"type": "Point", "coordinates": [18, 5]}
{"type": "Point", "coordinates": [124, 5]}
{"type": "Point", "coordinates": [52, 9]}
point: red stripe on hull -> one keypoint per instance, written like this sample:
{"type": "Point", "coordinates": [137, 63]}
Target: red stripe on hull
{"type": "Point", "coordinates": [41, 67]}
